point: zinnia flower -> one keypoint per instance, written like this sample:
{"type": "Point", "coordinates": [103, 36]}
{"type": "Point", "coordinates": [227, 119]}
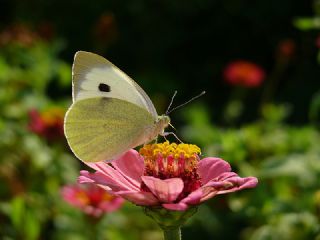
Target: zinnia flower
{"type": "Point", "coordinates": [91, 199]}
{"type": "Point", "coordinates": [244, 73]}
{"type": "Point", "coordinates": [48, 124]}
{"type": "Point", "coordinates": [167, 175]}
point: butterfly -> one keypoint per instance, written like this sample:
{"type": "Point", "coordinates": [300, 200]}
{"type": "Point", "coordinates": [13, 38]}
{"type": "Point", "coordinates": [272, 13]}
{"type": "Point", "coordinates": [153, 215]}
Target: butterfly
{"type": "Point", "coordinates": [110, 113]}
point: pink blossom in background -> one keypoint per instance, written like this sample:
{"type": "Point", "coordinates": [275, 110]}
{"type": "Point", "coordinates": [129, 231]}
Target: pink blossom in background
{"type": "Point", "coordinates": [244, 73]}
{"type": "Point", "coordinates": [167, 175]}
{"type": "Point", "coordinates": [91, 199]}
{"type": "Point", "coordinates": [47, 124]}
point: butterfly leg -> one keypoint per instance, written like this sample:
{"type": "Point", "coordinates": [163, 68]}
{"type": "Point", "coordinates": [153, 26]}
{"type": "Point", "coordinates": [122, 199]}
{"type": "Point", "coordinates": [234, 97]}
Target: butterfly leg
{"type": "Point", "coordinates": [164, 136]}
{"type": "Point", "coordinates": [170, 133]}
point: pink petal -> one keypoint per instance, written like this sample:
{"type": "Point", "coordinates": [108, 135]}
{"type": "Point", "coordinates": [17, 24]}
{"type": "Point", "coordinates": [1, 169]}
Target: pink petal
{"type": "Point", "coordinates": [210, 168]}
{"type": "Point", "coordinates": [110, 178]}
{"type": "Point", "coordinates": [218, 185]}
{"type": "Point", "coordinates": [240, 183]}
{"type": "Point", "coordinates": [84, 180]}
{"type": "Point", "coordinates": [90, 210]}
{"type": "Point", "coordinates": [175, 206]}
{"type": "Point", "coordinates": [166, 190]}
{"type": "Point", "coordinates": [104, 169]}
{"type": "Point", "coordinates": [70, 195]}
{"type": "Point", "coordinates": [131, 166]}
{"type": "Point", "coordinates": [139, 198]}
{"type": "Point", "coordinates": [226, 175]}
{"type": "Point", "coordinates": [208, 192]}
{"type": "Point", "coordinates": [83, 177]}
{"type": "Point", "coordinates": [193, 198]}
{"type": "Point", "coordinates": [231, 184]}
{"type": "Point", "coordinates": [110, 206]}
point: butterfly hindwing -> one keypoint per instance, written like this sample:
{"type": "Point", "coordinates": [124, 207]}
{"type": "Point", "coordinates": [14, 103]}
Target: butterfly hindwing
{"type": "Point", "coordinates": [102, 128]}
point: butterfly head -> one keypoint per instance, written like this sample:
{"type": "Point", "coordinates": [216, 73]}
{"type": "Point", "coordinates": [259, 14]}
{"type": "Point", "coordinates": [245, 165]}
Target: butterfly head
{"type": "Point", "coordinates": [163, 121]}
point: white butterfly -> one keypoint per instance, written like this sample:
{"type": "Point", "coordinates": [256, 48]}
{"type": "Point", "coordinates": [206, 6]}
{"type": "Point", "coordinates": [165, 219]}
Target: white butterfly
{"type": "Point", "coordinates": [110, 112]}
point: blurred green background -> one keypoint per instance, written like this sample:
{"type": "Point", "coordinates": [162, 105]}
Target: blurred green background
{"type": "Point", "coordinates": [259, 64]}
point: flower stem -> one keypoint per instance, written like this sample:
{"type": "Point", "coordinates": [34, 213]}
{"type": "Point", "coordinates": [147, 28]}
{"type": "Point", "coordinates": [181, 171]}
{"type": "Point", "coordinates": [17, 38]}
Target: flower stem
{"type": "Point", "coordinates": [172, 233]}
{"type": "Point", "coordinates": [170, 221]}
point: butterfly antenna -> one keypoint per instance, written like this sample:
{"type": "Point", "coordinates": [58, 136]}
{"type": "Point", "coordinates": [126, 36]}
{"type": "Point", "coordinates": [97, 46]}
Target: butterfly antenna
{"type": "Point", "coordinates": [199, 95]}
{"type": "Point", "coordinates": [172, 126]}
{"type": "Point", "coordinates": [174, 94]}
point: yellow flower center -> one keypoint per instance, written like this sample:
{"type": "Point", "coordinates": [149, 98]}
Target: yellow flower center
{"type": "Point", "coordinates": [170, 149]}
{"type": "Point", "coordinates": [107, 197]}
{"type": "Point", "coordinates": [171, 160]}
{"type": "Point", "coordinates": [52, 116]}
{"type": "Point", "coordinates": [82, 198]}
{"type": "Point", "coordinates": [167, 160]}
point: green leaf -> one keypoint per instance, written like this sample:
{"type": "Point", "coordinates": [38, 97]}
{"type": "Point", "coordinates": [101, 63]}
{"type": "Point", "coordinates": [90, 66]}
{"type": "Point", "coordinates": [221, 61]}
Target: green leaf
{"type": "Point", "coordinates": [17, 212]}
{"type": "Point", "coordinates": [306, 24]}
{"type": "Point", "coordinates": [31, 226]}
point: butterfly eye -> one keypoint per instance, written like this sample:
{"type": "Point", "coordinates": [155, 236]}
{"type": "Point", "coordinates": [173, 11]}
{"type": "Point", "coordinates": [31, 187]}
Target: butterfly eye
{"type": "Point", "coordinates": [104, 87]}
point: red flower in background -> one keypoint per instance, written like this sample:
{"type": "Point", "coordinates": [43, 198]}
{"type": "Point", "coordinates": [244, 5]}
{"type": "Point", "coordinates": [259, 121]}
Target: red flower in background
{"type": "Point", "coordinates": [244, 73]}
{"type": "Point", "coordinates": [105, 29]}
{"type": "Point", "coordinates": [286, 48]}
{"type": "Point", "coordinates": [48, 124]}
{"type": "Point", "coordinates": [91, 199]}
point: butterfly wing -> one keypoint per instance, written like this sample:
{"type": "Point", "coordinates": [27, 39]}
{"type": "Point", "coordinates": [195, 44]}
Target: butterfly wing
{"type": "Point", "coordinates": [95, 76]}
{"type": "Point", "coordinates": [103, 128]}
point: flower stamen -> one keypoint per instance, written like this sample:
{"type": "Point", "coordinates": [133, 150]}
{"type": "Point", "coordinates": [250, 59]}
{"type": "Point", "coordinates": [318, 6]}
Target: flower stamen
{"type": "Point", "coordinates": [165, 160]}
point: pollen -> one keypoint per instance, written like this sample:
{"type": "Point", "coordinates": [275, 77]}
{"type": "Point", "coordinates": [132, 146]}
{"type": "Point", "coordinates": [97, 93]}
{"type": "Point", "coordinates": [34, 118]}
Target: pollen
{"type": "Point", "coordinates": [167, 149]}
{"type": "Point", "coordinates": [82, 197]}
{"type": "Point", "coordinates": [167, 160]}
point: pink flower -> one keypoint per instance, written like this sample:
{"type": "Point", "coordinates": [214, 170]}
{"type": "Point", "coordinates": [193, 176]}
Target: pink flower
{"type": "Point", "coordinates": [167, 175]}
{"type": "Point", "coordinates": [91, 199]}
{"type": "Point", "coordinates": [47, 124]}
{"type": "Point", "coordinates": [244, 73]}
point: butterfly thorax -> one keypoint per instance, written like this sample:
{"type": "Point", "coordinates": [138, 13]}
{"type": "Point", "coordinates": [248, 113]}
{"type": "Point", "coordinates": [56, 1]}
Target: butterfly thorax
{"type": "Point", "coordinates": [152, 132]}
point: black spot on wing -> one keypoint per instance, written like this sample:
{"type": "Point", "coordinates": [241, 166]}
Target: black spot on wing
{"type": "Point", "coordinates": [104, 87]}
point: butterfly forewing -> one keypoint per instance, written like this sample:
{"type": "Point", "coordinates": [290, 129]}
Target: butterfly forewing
{"type": "Point", "coordinates": [94, 76]}
{"type": "Point", "coordinates": [103, 128]}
